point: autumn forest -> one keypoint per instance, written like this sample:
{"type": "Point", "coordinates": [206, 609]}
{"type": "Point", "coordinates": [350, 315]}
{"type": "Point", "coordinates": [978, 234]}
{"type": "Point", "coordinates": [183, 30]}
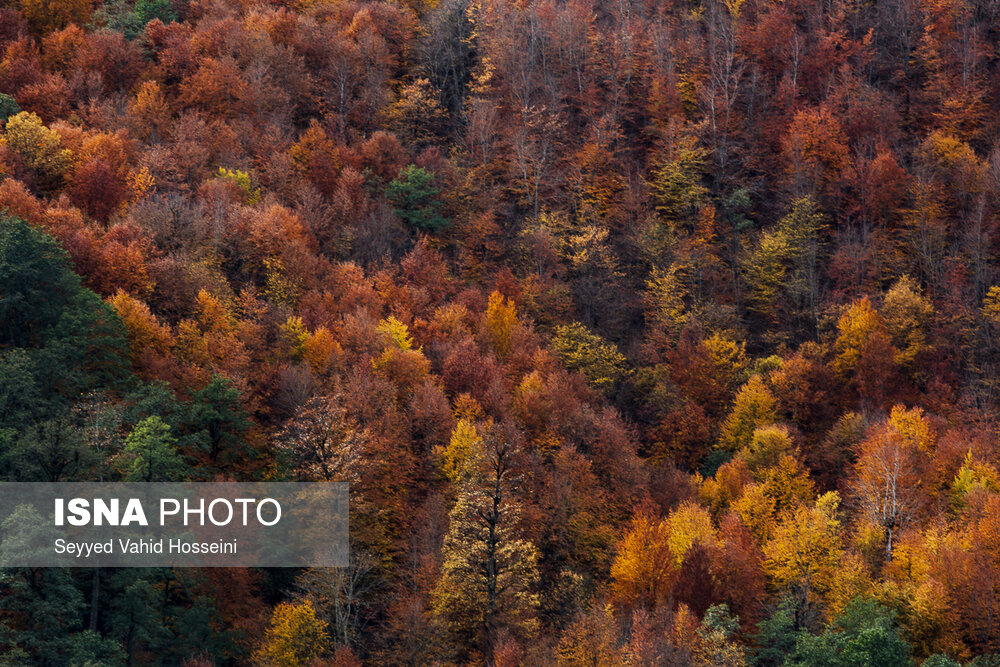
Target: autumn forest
{"type": "Point", "coordinates": [645, 332]}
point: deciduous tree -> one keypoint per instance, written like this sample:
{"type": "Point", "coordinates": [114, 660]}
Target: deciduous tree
{"type": "Point", "coordinates": [490, 569]}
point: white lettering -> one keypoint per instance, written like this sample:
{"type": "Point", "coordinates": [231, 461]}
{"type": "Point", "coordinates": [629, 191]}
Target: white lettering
{"type": "Point", "coordinates": [277, 511]}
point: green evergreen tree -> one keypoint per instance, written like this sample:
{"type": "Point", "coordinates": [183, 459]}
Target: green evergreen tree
{"type": "Point", "coordinates": [216, 421]}
{"type": "Point", "coordinates": [865, 634]}
{"type": "Point", "coordinates": [8, 107]}
{"type": "Point", "coordinates": [150, 454]}
{"type": "Point", "coordinates": [776, 636]}
{"type": "Point", "coordinates": [414, 197]}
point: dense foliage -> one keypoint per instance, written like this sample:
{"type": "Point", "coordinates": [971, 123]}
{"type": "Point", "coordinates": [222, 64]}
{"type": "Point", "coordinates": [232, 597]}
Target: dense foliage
{"type": "Point", "coordinates": [646, 333]}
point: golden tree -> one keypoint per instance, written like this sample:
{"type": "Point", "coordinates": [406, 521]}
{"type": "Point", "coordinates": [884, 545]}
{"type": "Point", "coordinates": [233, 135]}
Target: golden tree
{"type": "Point", "coordinates": [490, 570]}
{"type": "Point", "coordinates": [294, 638]}
{"type": "Point", "coordinates": [804, 554]}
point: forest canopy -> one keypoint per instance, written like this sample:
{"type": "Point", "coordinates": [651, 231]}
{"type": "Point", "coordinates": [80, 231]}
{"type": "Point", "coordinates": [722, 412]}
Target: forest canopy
{"type": "Point", "coordinates": [645, 333]}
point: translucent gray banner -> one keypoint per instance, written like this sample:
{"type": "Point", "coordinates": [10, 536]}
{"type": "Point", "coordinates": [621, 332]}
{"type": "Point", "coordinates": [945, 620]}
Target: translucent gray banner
{"type": "Point", "coordinates": [217, 524]}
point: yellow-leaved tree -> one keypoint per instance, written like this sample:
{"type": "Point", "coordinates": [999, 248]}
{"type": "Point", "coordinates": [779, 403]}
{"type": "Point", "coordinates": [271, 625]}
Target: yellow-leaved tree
{"type": "Point", "coordinates": [399, 362]}
{"type": "Point", "coordinates": [501, 317]}
{"type": "Point", "coordinates": [489, 570]}
{"type": "Point", "coordinates": [866, 357]}
{"type": "Point", "coordinates": [460, 452]}
{"type": "Point", "coordinates": [803, 556]}
{"type": "Point", "coordinates": [664, 302]}
{"type": "Point", "coordinates": [294, 638]}
{"type": "Point", "coordinates": [643, 571]}
{"type": "Point", "coordinates": [689, 525]}
{"type": "Point", "coordinates": [39, 147]}
{"type": "Point", "coordinates": [907, 315]}
{"type": "Point", "coordinates": [652, 551]}
{"type": "Point", "coordinates": [754, 407]}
